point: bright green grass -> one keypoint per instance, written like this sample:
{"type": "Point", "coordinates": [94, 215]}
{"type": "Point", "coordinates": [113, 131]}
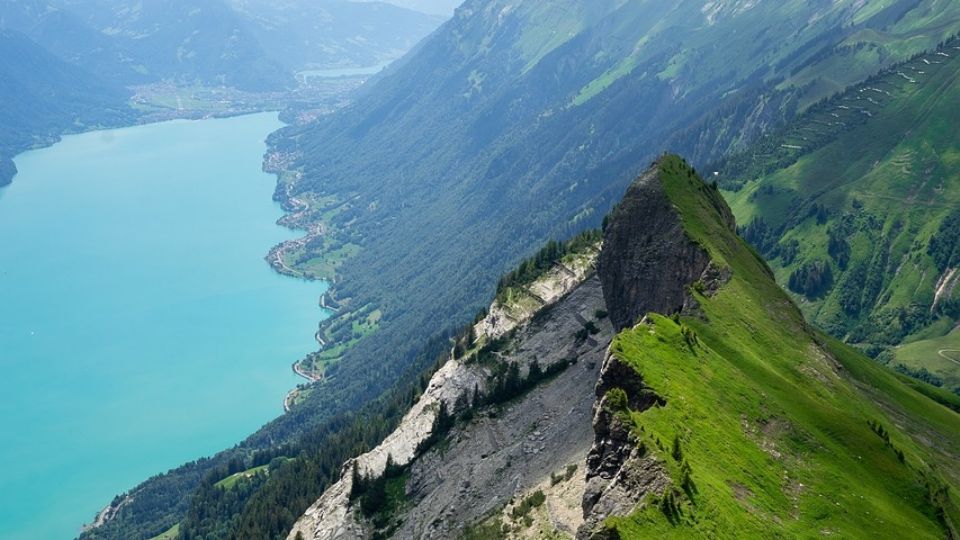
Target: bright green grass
{"type": "Point", "coordinates": [625, 67]}
{"type": "Point", "coordinates": [170, 534]}
{"type": "Point", "coordinates": [940, 356]}
{"type": "Point", "coordinates": [773, 418]}
{"type": "Point", "coordinates": [230, 481]}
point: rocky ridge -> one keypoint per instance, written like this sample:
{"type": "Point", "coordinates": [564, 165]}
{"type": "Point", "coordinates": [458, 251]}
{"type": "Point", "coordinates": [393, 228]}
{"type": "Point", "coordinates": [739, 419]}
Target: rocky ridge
{"type": "Point", "coordinates": [488, 465]}
{"type": "Point", "coordinates": [333, 516]}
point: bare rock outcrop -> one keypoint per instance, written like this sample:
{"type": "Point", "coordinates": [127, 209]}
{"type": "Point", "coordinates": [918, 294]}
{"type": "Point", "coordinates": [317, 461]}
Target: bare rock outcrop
{"type": "Point", "coordinates": [547, 343]}
{"type": "Point", "coordinates": [648, 261]}
{"type": "Point", "coordinates": [619, 472]}
{"type": "Point", "coordinates": [526, 301]}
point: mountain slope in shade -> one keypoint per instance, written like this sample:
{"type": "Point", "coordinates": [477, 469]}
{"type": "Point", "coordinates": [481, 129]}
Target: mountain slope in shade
{"type": "Point", "coordinates": [44, 96]}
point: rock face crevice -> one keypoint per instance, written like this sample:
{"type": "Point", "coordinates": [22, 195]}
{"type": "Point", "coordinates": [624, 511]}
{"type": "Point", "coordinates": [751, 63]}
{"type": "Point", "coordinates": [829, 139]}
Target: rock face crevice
{"type": "Point", "coordinates": [619, 473]}
{"type": "Point", "coordinates": [648, 261]}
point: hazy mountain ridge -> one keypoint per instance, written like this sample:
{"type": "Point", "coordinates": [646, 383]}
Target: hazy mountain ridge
{"type": "Point", "coordinates": [249, 44]}
{"type": "Point", "coordinates": [44, 96]}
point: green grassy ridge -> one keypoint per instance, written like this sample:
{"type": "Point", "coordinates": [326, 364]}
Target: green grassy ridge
{"type": "Point", "coordinates": [882, 182]}
{"type": "Point", "coordinates": [773, 419]}
{"type": "Point", "coordinates": [170, 534]}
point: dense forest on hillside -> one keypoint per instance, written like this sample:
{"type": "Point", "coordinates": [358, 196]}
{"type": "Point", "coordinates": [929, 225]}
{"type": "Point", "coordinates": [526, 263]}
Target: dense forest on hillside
{"type": "Point", "coordinates": [44, 96]}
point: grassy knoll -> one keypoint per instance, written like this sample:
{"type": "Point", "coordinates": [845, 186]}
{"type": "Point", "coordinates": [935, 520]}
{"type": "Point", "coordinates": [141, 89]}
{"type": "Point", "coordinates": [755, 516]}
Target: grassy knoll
{"type": "Point", "coordinates": [230, 481]}
{"type": "Point", "coordinates": [170, 534]}
{"type": "Point", "coordinates": [938, 355]}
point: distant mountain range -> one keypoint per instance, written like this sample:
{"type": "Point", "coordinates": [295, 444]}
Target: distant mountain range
{"type": "Point", "coordinates": [43, 96]}
{"type": "Point", "coordinates": [435, 7]}
{"type": "Point", "coordinates": [249, 44]}
{"type": "Point", "coordinates": [83, 53]}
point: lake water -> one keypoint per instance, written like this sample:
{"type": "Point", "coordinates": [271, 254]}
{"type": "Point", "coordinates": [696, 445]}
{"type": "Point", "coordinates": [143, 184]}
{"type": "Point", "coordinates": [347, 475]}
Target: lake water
{"type": "Point", "coordinates": [140, 326]}
{"type": "Point", "coordinates": [342, 72]}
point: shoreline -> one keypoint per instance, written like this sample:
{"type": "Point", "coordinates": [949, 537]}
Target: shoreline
{"type": "Point", "coordinates": [295, 209]}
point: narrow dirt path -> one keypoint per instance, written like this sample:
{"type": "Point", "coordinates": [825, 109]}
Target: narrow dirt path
{"type": "Point", "coordinates": [942, 353]}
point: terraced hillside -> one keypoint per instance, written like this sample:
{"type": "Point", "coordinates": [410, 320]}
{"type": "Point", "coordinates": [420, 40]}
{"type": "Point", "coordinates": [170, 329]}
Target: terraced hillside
{"type": "Point", "coordinates": [857, 206]}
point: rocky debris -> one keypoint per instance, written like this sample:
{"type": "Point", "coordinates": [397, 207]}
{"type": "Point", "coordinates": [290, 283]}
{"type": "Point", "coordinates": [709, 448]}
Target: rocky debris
{"type": "Point", "coordinates": [619, 473]}
{"type": "Point", "coordinates": [510, 451]}
{"type": "Point", "coordinates": [553, 285]}
{"type": "Point", "coordinates": [550, 424]}
{"type": "Point", "coordinates": [329, 517]}
{"type": "Point", "coordinates": [648, 261]}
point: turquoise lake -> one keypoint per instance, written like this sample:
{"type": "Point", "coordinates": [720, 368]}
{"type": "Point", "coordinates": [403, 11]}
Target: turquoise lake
{"type": "Point", "coordinates": [140, 326]}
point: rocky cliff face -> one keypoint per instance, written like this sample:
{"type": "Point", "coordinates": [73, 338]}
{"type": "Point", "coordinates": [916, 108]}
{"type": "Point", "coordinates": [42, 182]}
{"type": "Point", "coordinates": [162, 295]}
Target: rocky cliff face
{"type": "Point", "coordinates": [506, 448]}
{"type": "Point", "coordinates": [526, 301]}
{"type": "Point", "coordinates": [567, 442]}
{"type": "Point", "coordinates": [648, 262]}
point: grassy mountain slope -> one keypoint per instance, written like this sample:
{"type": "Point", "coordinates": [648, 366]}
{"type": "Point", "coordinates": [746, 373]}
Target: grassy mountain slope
{"type": "Point", "coordinates": [42, 96]}
{"type": "Point", "coordinates": [866, 187]}
{"type": "Point", "coordinates": [521, 121]}
{"type": "Point", "coordinates": [777, 427]}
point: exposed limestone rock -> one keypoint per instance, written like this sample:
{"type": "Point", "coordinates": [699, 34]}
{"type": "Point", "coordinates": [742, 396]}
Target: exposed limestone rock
{"type": "Point", "coordinates": [619, 473]}
{"type": "Point", "coordinates": [329, 517]}
{"type": "Point", "coordinates": [648, 261]}
{"type": "Point", "coordinates": [558, 417]}
{"type": "Point", "coordinates": [514, 450]}
{"type": "Point", "coordinates": [523, 302]}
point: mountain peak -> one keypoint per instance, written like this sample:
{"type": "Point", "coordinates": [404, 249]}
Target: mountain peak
{"type": "Point", "coordinates": [650, 259]}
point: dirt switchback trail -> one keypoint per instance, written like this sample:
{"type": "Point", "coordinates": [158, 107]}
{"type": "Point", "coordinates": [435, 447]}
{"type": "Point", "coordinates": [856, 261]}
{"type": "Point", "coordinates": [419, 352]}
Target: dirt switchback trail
{"type": "Point", "coordinates": [942, 352]}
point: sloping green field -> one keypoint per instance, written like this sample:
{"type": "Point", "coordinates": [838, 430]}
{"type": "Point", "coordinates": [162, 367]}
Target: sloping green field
{"type": "Point", "coordinates": [783, 433]}
{"type": "Point", "coordinates": [861, 184]}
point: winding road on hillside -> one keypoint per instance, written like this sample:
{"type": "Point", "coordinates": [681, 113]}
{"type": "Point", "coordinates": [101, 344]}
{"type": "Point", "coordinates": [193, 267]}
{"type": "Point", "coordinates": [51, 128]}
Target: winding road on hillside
{"type": "Point", "coordinates": [942, 352]}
